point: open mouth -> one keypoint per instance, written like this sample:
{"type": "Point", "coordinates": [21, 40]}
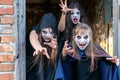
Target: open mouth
{"type": "Point", "coordinates": [82, 44]}
{"type": "Point", "coordinates": [47, 39]}
{"type": "Point", "coordinates": [75, 19]}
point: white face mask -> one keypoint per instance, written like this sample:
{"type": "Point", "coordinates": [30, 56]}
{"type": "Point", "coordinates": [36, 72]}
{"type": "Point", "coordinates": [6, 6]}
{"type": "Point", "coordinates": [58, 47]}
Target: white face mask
{"type": "Point", "coordinates": [82, 41]}
{"type": "Point", "coordinates": [75, 16]}
{"type": "Point", "coordinates": [47, 34]}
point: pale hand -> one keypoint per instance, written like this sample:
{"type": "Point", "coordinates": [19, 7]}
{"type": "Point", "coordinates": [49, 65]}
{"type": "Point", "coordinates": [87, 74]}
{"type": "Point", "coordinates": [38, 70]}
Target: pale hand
{"type": "Point", "coordinates": [64, 7]}
{"type": "Point", "coordinates": [52, 43]}
{"type": "Point", "coordinates": [114, 59]}
{"type": "Point", "coordinates": [67, 50]}
{"type": "Point", "coordinates": [42, 51]}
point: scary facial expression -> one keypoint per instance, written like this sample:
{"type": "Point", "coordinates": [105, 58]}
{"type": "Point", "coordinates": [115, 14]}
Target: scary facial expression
{"type": "Point", "coordinates": [82, 41]}
{"type": "Point", "coordinates": [47, 34]}
{"type": "Point", "coordinates": [75, 16]}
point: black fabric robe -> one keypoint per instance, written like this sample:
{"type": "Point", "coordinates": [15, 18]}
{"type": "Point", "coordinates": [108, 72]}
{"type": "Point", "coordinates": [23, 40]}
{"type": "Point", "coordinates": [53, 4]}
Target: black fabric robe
{"type": "Point", "coordinates": [35, 72]}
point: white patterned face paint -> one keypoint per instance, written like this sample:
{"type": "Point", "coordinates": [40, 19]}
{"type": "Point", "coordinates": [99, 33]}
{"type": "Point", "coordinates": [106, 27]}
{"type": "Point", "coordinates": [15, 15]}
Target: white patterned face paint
{"type": "Point", "coordinates": [75, 16]}
{"type": "Point", "coordinates": [47, 34]}
{"type": "Point", "coordinates": [82, 41]}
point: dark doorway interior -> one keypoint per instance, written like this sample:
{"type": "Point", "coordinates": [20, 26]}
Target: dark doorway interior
{"type": "Point", "coordinates": [95, 11]}
{"type": "Point", "coordinates": [35, 10]}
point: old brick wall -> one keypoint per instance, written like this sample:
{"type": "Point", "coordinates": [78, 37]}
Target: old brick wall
{"type": "Point", "coordinates": [7, 40]}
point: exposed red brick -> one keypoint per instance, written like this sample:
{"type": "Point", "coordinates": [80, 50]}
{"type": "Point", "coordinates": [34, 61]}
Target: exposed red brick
{"type": "Point", "coordinates": [7, 39]}
{"type": "Point", "coordinates": [6, 30]}
{"type": "Point", "coordinates": [6, 67]}
{"type": "Point", "coordinates": [6, 48]}
{"type": "Point", "coordinates": [7, 11]}
{"type": "Point", "coordinates": [7, 76]}
{"type": "Point", "coordinates": [8, 2]}
{"type": "Point", "coordinates": [6, 57]}
{"type": "Point", "coordinates": [7, 20]}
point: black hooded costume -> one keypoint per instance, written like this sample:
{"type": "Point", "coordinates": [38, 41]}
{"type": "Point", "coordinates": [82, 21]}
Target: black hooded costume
{"type": "Point", "coordinates": [48, 70]}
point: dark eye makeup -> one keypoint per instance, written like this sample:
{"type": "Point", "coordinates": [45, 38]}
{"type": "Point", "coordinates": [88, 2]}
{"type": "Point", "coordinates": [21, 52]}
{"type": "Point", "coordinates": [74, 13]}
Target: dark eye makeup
{"type": "Point", "coordinates": [78, 12]}
{"type": "Point", "coordinates": [79, 37]}
{"type": "Point", "coordinates": [44, 32]}
{"type": "Point", "coordinates": [85, 37]}
{"type": "Point", "coordinates": [51, 32]}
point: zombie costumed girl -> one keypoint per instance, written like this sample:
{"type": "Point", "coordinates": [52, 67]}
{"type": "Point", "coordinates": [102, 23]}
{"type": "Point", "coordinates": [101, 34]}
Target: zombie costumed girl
{"type": "Point", "coordinates": [41, 64]}
{"type": "Point", "coordinates": [92, 63]}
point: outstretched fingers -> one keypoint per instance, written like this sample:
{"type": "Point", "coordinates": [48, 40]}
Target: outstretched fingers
{"type": "Point", "coordinates": [54, 39]}
{"type": "Point", "coordinates": [65, 3]}
{"type": "Point", "coordinates": [69, 9]}
{"type": "Point", "coordinates": [52, 43]}
{"type": "Point", "coordinates": [64, 7]}
{"type": "Point", "coordinates": [43, 52]}
{"type": "Point", "coordinates": [61, 2]}
{"type": "Point", "coordinates": [46, 53]}
{"type": "Point", "coordinates": [114, 59]}
{"type": "Point", "coordinates": [66, 44]}
{"type": "Point", "coordinates": [36, 52]}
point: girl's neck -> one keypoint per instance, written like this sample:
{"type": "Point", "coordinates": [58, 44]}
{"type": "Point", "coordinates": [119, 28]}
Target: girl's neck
{"type": "Point", "coordinates": [81, 52]}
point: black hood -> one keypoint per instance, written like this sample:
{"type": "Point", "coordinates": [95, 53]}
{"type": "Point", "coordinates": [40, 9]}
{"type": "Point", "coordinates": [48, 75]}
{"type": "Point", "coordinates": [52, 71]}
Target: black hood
{"type": "Point", "coordinates": [48, 21]}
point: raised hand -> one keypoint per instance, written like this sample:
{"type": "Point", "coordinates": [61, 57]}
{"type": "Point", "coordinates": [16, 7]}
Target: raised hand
{"type": "Point", "coordinates": [67, 50]}
{"type": "Point", "coordinates": [64, 7]}
{"type": "Point", "coordinates": [114, 59]}
{"type": "Point", "coordinates": [43, 51]}
{"type": "Point", "coordinates": [52, 43]}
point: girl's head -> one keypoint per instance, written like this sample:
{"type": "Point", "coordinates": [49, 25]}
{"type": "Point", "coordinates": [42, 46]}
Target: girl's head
{"type": "Point", "coordinates": [77, 14]}
{"type": "Point", "coordinates": [82, 35]}
{"type": "Point", "coordinates": [47, 34]}
{"type": "Point", "coordinates": [47, 27]}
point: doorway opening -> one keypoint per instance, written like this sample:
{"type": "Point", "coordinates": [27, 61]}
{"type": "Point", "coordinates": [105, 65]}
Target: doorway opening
{"type": "Point", "coordinates": [96, 12]}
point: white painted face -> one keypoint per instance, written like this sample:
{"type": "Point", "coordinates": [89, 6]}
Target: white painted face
{"type": "Point", "coordinates": [47, 34]}
{"type": "Point", "coordinates": [82, 41]}
{"type": "Point", "coordinates": [75, 16]}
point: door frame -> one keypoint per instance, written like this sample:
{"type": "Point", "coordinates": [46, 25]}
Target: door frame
{"type": "Point", "coordinates": [21, 39]}
{"type": "Point", "coordinates": [116, 28]}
